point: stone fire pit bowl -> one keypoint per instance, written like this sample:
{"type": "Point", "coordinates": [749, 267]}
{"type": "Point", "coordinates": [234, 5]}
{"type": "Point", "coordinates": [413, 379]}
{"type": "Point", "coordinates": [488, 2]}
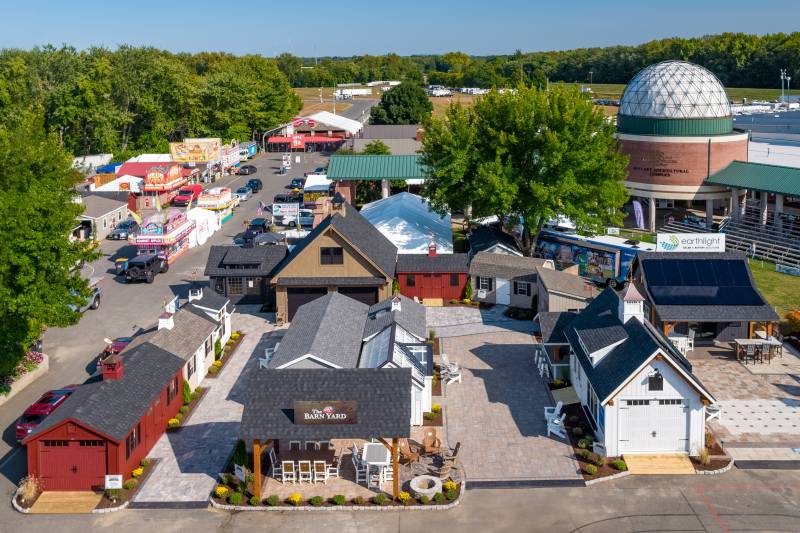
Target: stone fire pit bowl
{"type": "Point", "coordinates": [425, 486]}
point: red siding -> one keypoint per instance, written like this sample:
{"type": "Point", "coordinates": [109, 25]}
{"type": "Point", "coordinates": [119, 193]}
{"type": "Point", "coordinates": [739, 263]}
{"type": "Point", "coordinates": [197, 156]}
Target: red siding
{"type": "Point", "coordinates": [432, 285]}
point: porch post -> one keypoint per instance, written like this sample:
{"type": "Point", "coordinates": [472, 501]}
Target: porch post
{"type": "Point", "coordinates": [257, 469]}
{"type": "Point", "coordinates": [749, 330]}
{"type": "Point", "coordinates": [395, 470]}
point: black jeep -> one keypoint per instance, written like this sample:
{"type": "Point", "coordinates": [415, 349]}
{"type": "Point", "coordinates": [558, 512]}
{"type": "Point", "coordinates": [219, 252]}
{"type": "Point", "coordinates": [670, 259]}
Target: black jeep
{"type": "Point", "coordinates": [144, 267]}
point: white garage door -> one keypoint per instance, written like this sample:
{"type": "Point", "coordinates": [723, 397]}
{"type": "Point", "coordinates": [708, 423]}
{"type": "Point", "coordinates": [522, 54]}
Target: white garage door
{"type": "Point", "coordinates": [653, 426]}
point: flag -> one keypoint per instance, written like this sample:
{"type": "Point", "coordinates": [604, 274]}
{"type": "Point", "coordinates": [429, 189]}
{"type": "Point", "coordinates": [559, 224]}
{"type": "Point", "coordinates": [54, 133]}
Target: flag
{"type": "Point", "coordinates": [261, 207]}
{"type": "Point", "coordinates": [135, 216]}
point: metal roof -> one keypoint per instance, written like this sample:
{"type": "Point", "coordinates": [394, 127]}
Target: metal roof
{"type": "Point", "coordinates": [758, 177]}
{"type": "Point", "coordinates": [375, 167]}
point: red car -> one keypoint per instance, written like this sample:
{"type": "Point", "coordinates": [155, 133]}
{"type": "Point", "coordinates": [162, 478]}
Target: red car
{"type": "Point", "coordinates": [36, 413]}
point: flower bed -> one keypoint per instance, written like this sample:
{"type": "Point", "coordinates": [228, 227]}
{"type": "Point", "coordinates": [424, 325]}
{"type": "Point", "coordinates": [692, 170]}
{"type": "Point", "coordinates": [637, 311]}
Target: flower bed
{"type": "Point", "coordinates": [581, 437]}
{"type": "Point", "coordinates": [28, 364]}
{"type": "Point", "coordinates": [225, 354]}
{"type": "Point", "coordinates": [113, 498]}
{"type": "Point", "coordinates": [436, 382]}
{"type": "Point", "coordinates": [186, 409]}
{"type": "Point", "coordinates": [434, 418]}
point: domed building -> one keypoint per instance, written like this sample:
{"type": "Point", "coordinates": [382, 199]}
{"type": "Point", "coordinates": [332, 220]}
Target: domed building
{"type": "Point", "coordinates": [676, 125]}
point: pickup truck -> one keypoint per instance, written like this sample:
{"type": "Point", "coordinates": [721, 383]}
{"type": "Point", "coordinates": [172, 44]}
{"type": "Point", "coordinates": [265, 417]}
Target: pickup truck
{"type": "Point", "coordinates": [93, 301]}
{"type": "Point", "coordinates": [187, 195]}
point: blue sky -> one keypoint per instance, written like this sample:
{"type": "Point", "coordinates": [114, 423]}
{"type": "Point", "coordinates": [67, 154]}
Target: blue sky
{"type": "Point", "coordinates": [348, 27]}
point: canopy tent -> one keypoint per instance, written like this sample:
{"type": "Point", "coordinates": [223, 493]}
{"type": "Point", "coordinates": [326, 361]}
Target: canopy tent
{"type": "Point", "coordinates": [125, 182]}
{"type": "Point", "coordinates": [206, 223]}
{"type": "Point", "coordinates": [408, 221]}
{"type": "Point", "coordinates": [317, 183]}
{"type": "Point", "coordinates": [336, 122]}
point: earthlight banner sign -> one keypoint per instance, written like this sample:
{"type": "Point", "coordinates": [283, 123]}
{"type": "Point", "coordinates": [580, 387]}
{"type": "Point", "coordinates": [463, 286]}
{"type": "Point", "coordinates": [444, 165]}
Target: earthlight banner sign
{"type": "Point", "coordinates": [325, 413]}
{"type": "Point", "coordinates": [690, 242]}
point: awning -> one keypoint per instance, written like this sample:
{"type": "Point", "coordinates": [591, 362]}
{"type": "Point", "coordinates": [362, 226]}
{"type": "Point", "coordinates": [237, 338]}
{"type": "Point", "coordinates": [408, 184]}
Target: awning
{"type": "Point", "coordinates": [299, 140]}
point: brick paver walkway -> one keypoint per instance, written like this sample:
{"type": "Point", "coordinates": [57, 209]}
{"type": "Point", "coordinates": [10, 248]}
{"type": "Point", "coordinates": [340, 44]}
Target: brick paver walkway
{"type": "Point", "coordinates": [458, 321]}
{"type": "Point", "coordinates": [497, 412]}
{"type": "Point", "coordinates": [191, 459]}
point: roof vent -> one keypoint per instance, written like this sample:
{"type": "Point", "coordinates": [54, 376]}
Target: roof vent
{"type": "Point", "coordinates": [432, 249]}
{"type": "Point", "coordinates": [396, 304]}
{"type": "Point", "coordinates": [112, 367]}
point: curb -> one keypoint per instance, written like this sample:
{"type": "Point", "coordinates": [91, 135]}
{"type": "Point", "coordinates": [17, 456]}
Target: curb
{"type": "Point", "coordinates": [112, 509]}
{"type": "Point", "coordinates": [715, 472]}
{"type": "Point", "coordinates": [607, 478]}
{"type": "Point", "coordinates": [26, 379]}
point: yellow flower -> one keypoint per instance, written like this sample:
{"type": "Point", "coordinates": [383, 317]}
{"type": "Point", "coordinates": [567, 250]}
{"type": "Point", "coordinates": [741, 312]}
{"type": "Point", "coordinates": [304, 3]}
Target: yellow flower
{"type": "Point", "coordinates": [221, 491]}
{"type": "Point", "coordinates": [217, 363]}
{"type": "Point", "coordinates": [173, 422]}
{"type": "Point", "coordinates": [137, 472]}
{"type": "Point", "coordinates": [449, 485]}
{"type": "Point", "coordinates": [436, 408]}
{"type": "Point", "coordinates": [404, 497]}
{"type": "Point", "coordinates": [295, 499]}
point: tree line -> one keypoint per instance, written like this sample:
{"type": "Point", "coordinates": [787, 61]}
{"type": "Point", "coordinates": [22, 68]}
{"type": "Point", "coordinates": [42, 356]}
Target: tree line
{"type": "Point", "coordinates": [132, 100]}
{"type": "Point", "coordinates": [738, 59]}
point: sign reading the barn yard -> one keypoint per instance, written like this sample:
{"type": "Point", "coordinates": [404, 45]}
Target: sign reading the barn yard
{"type": "Point", "coordinates": [319, 413]}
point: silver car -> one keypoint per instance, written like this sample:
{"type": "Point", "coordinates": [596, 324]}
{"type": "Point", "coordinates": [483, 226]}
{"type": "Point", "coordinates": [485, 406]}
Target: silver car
{"type": "Point", "coordinates": [244, 193]}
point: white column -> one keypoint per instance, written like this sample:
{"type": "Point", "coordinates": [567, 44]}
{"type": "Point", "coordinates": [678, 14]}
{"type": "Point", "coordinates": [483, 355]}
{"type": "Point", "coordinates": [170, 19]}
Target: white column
{"type": "Point", "coordinates": [778, 210]}
{"type": "Point", "coordinates": [764, 211]}
{"type": "Point", "coordinates": [385, 188]}
{"type": "Point", "coordinates": [733, 204]}
{"type": "Point", "coordinates": [652, 213]}
{"type": "Point", "coordinates": [709, 213]}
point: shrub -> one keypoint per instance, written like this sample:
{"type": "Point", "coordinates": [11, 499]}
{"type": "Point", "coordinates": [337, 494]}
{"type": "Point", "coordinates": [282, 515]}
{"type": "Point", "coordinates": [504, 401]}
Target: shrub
{"type": "Point", "coordinates": [199, 390]}
{"type": "Point", "coordinates": [240, 453]}
{"type": "Point", "coordinates": [137, 472]}
{"type": "Point", "coordinates": [217, 349]}
{"type": "Point", "coordinates": [619, 464]}
{"type": "Point", "coordinates": [254, 501]}
{"type": "Point", "coordinates": [144, 462]}
{"type": "Point", "coordinates": [573, 419]}
{"type": "Point", "coordinates": [217, 364]}
{"type": "Point", "coordinates": [600, 461]}
{"type": "Point", "coordinates": [358, 500]}
{"type": "Point", "coordinates": [130, 484]}
{"type": "Point", "coordinates": [184, 409]}
{"type": "Point", "coordinates": [558, 382]}
{"type": "Point", "coordinates": [338, 499]}
{"type": "Point", "coordinates": [429, 416]}
{"type": "Point", "coordinates": [424, 500]}
{"type": "Point", "coordinates": [235, 335]}
{"type": "Point", "coordinates": [438, 497]}
{"type": "Point", "coordinates": [235, 498]}
{"type": "Point", "coordinates": [583, 444]}
{"type": "Point", "coordinates": [113, 494]}
{"type": "Point", "coordinates": [453, 301]}
{"type": "Point", "coordinates": [590, 469]}
{"type": "Point", "coordinates": [585, 454]}
{"type": "Point", "coordinates": [178, 417]}
{"type": "Point", "coordinates": [577, 431]}
{"type": "Point", "coordinates": [436, 408]}
{"type": "Point", "coordinates": [449, 485]}
{"type": "Point", "coordinates": [793, 320]}
{"type": "Point", "coordinates": [187, 393]}
{"type": "Point", "coordinates": [476, 304]}
{"type": "Point", "coordinates": [29, 488]}
{"type": "Point", "coordinates": [316, 501]}
{"type": "Point", "coordinates": [431, 334]}
{"type": "Point", "coordinates": [404, 498]}
{"type": "Point", "coordinates": [273, 500]}
{"type": "Point", "coordinates": [173, 423]}
{"type": "Point", "coordinates": [295, 499]}
{"type": "Point", "coordinates": [213, 370]}
{"type": "Point", "coordinates": [195, 395]}
{"type": "Point", "coordinates": [710, 440]}
{"type": "Point", "coordinates": [379, 499]}
{"type": "Point", "coordinates": [466, 301]}
{"type": "Point", "coordinates": [451, 494]}
{"type": "Point", "coordinates": [221, 491]}
{"type": "Point", "coordinates": [705, 457]}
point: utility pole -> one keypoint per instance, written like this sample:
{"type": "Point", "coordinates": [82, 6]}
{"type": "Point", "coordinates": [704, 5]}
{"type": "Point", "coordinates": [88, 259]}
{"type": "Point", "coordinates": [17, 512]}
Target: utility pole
{"type": "Point", "coordinates": [590, 78]}
{"type": "Point", "coordinates": [783, 77]}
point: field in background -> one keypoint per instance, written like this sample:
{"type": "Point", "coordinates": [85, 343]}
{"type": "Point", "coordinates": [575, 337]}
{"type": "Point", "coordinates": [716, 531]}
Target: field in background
{"type": "Point", "coordinates": [441, 103]}
{"type": "Point", "coordinates": [614, 90]}
{"type": "Point", "coordinates": [311, 103]}
{"type": "Point", "coordinates": [782, 291]}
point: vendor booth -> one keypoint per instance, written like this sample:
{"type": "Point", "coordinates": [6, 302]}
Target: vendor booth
{"type": "Point", "coordinates": [161, 184]}
{"type": "Point", "coordinates": [205, 222]}
{"type": "Point", "coordinates": [316, 186]}
{"type": "Point", "coordinates": [219, 200]}
{"type": "Point", "coordinates": [165, 234]}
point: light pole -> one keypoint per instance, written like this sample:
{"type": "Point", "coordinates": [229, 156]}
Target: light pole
{"type": "Point", "coordinates": [783, 77]}
{"type": "Point", "coordinates": [590, 78]}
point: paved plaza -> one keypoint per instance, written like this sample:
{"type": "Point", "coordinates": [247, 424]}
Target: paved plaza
{"type": "Point", "coordinates": [189, 460]}
{"type": "Point", "coordinates": [497, 412]}
{"type": "Point", "coordinates": [457, 320]}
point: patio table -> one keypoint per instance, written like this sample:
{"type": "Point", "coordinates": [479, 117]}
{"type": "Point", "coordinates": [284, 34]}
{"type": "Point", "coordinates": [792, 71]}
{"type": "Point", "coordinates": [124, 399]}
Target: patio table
{"type": "Point", "coordinates": [375, 454]}
{"type": "Point", "coordinates": [761, 343]}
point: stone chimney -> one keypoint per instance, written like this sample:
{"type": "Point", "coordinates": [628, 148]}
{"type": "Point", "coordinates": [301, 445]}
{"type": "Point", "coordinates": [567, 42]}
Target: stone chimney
{"type": "Point", "coordinates": [631, 304]}
{"type": "Point", "coordinates": [112, 367]}
{"type": "Point", "coordinates": [432, 249]}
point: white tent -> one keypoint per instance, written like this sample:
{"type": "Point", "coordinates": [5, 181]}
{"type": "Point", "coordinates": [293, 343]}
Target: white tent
{"type": "Point", "coordinates": [317, 183]}
{"type": "Point", "coordinates": [206, 223]}
{"type": "Point", "coordinates": [126, 182]}
{"type": "Point", "coordinates": [151, 158]}
{"type": "Point", "coordinates": [408, 221]}
{"type": "Point", "coordinates": [337, 122]}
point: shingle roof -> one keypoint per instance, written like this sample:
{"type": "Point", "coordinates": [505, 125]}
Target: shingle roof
{"type": "Point", "coordinates": [552, 325]}
{"type": "Point", "coordinates": [389, 131]}
{"type": "Point", "coordinates": [396, 146]}
{"type": "Point", "coordinates": [329, 328]}
{"type": "Point", "coordinates": [96, 206]}
{"type": "Point", "coordinates": [382, 395]}
{"type": "Point", "coordinates": [112, 407]}
{"type": "Point", "coordinates": [187, 334]}
{"type": "Point", "coordinates": [491, 265]}
{"type": "Point", "coordinates": [566, 283]}
{"type": "Point", "coordinates": [484, 237]}
{"type": "Point", "coordinates": [210, 300]}
{"type": "Point", "coordinates": [323, 282]}
{"type": "Point", "coordinates": [375, 167]}
{"type": "Point", "coordinates": [758, 177]}
{"type": "Point", "coordinates": [411, 317]}
{"type": "Point", "coordinates": [455, 263]}
{"type": "Point", "coordinates": [267, 257]}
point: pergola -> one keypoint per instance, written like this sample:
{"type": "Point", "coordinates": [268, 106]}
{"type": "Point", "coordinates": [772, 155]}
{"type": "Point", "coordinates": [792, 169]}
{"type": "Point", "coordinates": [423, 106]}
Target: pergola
{"type": "Point", "coordinates": [324, 404]}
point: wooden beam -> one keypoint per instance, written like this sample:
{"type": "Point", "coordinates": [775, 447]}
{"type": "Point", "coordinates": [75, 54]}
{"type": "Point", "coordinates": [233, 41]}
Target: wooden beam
{"type": "Point", "coordinates": [769, 329]}
{"type": "Point", "coordinates": [749, 330]}
{"type": "Point", "coordinates": [395, 470]}
{"type": "Point", "coordinates": [257, 469]}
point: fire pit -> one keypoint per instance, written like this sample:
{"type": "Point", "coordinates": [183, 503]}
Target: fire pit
{"type": "Point", "coordinates": [426, 486]}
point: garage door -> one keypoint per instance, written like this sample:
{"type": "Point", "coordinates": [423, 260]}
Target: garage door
{"type": "Point", "coordinates": [367, 295]}
{"type": "Point", "coordinates": [72, 465]}
{"type": "Point", "coordinates": [653, 426]}
{"type": "Point", "coordinates": [300, 296]}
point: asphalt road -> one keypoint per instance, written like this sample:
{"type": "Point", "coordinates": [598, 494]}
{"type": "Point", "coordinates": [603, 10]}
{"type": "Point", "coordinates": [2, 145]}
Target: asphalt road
{"type": "Point", "coordinates": [129, 309]}
{"type": "Point", "coordinates": [359, 109]}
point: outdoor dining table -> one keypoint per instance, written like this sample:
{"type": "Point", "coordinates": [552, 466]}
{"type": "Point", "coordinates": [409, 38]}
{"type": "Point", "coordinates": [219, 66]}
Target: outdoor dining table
{"type": "Point", "coordinates": [377, 455]}
{"type": "Point", "coordinates": [307, 455]}
{"type": "Point", "coordinates": [681, 342]}
{"type": "Point", "coordinates": [770, 343]}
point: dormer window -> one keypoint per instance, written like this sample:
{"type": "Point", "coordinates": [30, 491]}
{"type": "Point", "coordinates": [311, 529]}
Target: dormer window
{"type": "Point", "coordinates": [655, 382]}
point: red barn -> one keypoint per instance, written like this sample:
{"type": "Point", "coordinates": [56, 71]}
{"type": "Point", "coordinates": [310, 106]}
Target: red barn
{"type": "Point", "coordinates": [432, 275]}
{"type": "Point", "coordinates": [108, 426]}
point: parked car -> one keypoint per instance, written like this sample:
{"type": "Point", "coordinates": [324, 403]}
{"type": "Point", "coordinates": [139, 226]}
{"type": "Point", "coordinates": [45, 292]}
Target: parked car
{"type": "Point", "coordinates": [259, 225]}
{"type": "Point", "coordinates": [306, 219]}
{"type": "Point", "coordinates": [187, 195]}
{"type": "Point", "coordinates": [297, 184]}
{"type": "Point", "coordinates": [36, 413]}
{"type": "Point", "coordinates": [92, 302]}
{"type": "Point", "coordinates": [124, 229]}
{"type": "Point", "coordinates": [244, 193]}
{"type": "Point", "coordinates": [287, 198]}
{"type": "Point", "coordinates": [116, 346]}
{"type": "Point", "coordinates": [247, 170]}
{"type": "Point", "coordinates": [319, 170]}
{"type": "Point", "coordinates": [143, 267]}
{"type": "Point", "coordinates": [255, 184]}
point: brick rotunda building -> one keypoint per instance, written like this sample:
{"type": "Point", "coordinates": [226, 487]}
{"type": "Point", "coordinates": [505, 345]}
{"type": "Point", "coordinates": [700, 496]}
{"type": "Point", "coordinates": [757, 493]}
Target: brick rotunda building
{"type": "Point", "coordinates": [675, 123]}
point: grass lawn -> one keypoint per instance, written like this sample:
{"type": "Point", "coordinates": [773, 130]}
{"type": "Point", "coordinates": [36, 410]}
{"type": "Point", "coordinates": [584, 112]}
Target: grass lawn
{"type": "Point", "coordinates": [782, 291]}
{"type": "Point", "coordinates": [614, 90]}
{"type": "Point", "coordinates": [311, 103]}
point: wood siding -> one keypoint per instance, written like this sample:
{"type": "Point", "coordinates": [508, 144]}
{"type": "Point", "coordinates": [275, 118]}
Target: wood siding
{"type": "Point", "coordinates": [432, 285]}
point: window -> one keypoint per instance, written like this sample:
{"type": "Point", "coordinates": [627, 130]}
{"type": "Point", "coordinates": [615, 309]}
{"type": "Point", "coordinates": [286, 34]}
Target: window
{"type": "Point", "coordinates": [191, 367]}
{"type": "Point", "coordinates": [172, 391]}
{"type": "Point", "coordinates": [331, 256]}
{"type": "Point", "coordinates": [92, 443]}
{"type": "Point", "coordinates": [484, 283]}
{"type": "Point", "coordinates": [637, 402]}
{"type": "Point", "coordinates": [219, 285]}
{"type": "Point", "coordinates": [208, 346]}
{"type": "Point", "coordinates": [411, 280]}
{"type": "Point", "coordinates": [454, 280]}
{"type": "Point", "coordinates": [655, 382]}
{"type": "Point", "coordinates": [234, 285]}
{"type": "Point", "coordinates": [594, 405]}
{"type": "Point", "coordinates": [133, 440]}
{"type": "Point", "coordinates": [56, 443]}
{"type": "Point", "coordinates": [522, 288]}
{"type": "Point", "coordinates": [670, 402]}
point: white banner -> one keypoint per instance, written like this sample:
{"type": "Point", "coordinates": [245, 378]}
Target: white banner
{"type": "Point", "coordinates": [690, 242]}
{"type": "Point", "coordinates": [285, 210]}
{"type": "Point", "coordinates": [113, 481]}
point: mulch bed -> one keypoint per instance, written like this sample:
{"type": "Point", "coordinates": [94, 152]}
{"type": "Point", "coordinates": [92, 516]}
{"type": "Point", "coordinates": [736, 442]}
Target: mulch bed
{"type": "Point", "coordinates": [227, 352]}
{"type": "Point", "coordinates": [437, 421]}
{"type": "Point", "coordinates": [714, 464]}
{"type": "Point", "coordinates": [125, 494]}
{"type": "Point", "coordinates": [436, 388]}
{"type": "Point", "coordinates": [577, 418]}
{"type": "Point", "coordinates": [27, 504]}
{"type": "Point", "coordinates": [192, 405]}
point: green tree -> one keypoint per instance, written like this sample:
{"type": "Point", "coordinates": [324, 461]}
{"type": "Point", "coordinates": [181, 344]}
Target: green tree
{"type": "Point", "coordinates": [405, 104]}
{"type": "Point", "coordinates": [376, 147]}
{"type": "Point", "coordinates": [186, 393]}
{"type": "Point", "coordinates": [240, 453]}
{"type": "Point", "coordinates": [530, 154]}
{"type": "Point", "coordinates": [38, 278]}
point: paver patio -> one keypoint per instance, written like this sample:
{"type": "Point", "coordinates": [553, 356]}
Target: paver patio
{"type": "Point", "coordinates": [497, 412]}
{"type": "Point", "coordinates": [190, 459]}
{"type": "Point", "coordinates": [457, 321]}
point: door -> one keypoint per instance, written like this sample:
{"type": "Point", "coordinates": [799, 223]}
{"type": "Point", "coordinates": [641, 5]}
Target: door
{"type": "Point", "coordinates": [366, 295]}
{"type": "Point", "coordinates": [299, 296]}
{"type": "Point", "coordinates": [647, 426]}
{"type": "Point", "coordinates": [502, 293]}
{"type": "Point", "coordinates": [72, 465]}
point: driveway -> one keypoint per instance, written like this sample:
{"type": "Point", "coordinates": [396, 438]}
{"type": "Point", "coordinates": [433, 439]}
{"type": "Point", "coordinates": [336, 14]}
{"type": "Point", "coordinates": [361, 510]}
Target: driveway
{"type": "Point", "coordinates": [497, 413]}
{"type": "Point", "coordinates": [457, 320]}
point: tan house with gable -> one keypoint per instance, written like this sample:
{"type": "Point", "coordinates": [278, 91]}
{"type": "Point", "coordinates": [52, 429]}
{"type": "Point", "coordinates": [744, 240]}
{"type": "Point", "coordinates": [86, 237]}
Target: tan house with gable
{"type": "Point", "coordinates": [345, 254]}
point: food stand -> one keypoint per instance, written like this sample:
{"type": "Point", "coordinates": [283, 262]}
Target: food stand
{"type": "Point", "coordinates": [165, 234]}
{"type": "Point", "coordinates": [219, 200]}
{"type": "Point", "coordinates": [161, 184]}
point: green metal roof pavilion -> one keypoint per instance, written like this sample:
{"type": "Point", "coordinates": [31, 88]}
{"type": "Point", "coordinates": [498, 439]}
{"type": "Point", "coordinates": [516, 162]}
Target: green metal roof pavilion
{"type": "Point", "coordinates": [758, 177]}
{"type": "Point", "coordinates": [375, 167]}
